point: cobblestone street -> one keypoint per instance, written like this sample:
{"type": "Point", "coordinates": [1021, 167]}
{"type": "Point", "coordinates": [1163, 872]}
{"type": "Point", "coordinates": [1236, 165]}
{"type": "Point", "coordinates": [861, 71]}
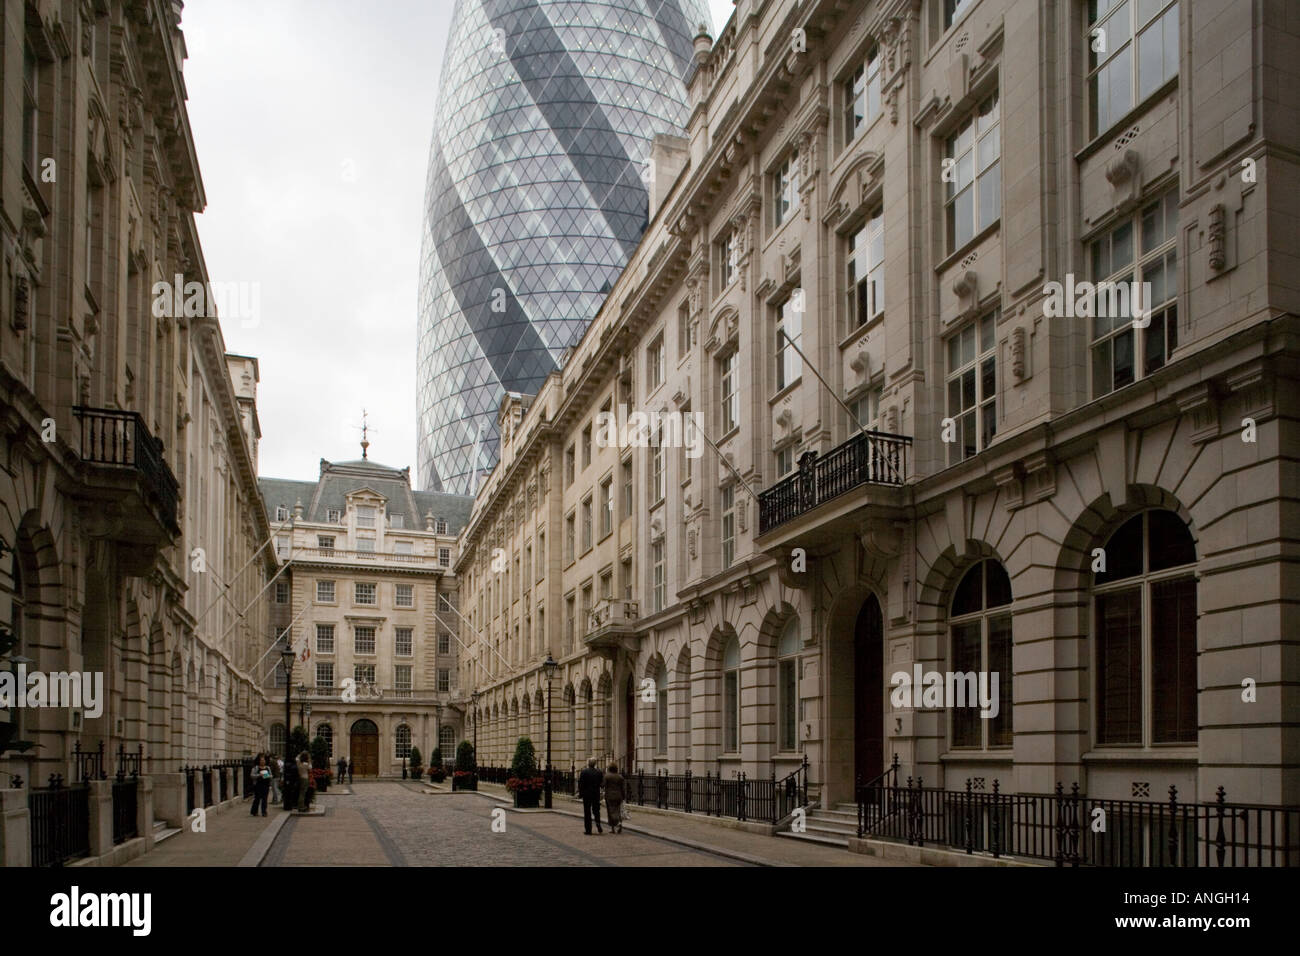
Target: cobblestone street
{"type": "Point", "coordinates": [389, 824]}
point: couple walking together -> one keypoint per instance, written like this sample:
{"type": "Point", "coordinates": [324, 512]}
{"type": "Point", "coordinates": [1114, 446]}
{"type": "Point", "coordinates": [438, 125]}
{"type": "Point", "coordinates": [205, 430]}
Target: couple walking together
{"type": "Point", "coordinates": [590, 783]}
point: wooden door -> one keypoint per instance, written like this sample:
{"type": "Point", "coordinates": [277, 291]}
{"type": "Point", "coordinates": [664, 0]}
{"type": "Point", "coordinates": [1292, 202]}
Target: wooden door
{"type": "Point", "coordinates": [868, 692]}
{"type": "Point", "coordinates": [365, 749]}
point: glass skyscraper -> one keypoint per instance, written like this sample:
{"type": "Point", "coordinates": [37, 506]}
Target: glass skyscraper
{"type": "Point", "coordinates": [535, 198]}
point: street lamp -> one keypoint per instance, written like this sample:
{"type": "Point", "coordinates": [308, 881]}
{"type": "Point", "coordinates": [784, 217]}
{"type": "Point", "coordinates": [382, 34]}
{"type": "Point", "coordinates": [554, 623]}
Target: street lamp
{"type": "Point", "coordinates": [549, 667]}
{"type": "Point", "coordinates": [286, 658]}
{"type": "Point", "coordinates": [437, 733]}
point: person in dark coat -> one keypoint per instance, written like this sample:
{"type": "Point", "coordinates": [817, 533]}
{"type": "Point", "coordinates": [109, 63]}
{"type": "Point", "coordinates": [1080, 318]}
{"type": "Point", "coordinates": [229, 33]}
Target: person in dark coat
{"type": "Point", "coordinates": [261, 785]}
{"type": "Point", "coordinates": [343, 769]}
{"type": "Point", "coordinates": [614, 793]}
{"type": "Point", "coordinates": [352, 766]}
{"type": "Point", "coordinates": [589, 783]}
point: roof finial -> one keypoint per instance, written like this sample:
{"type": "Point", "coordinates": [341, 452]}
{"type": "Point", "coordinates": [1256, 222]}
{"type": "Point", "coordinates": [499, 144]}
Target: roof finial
{"type": "Point", "coordinates": [365, 443]}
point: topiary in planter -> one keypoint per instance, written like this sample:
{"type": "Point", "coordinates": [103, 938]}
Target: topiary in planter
{"type": "Point", "coordinates": [464, 777]}
{"type": "Point", "coordinates": [416, 762]}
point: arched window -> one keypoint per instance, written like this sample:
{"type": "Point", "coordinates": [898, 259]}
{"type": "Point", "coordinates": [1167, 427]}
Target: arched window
{"type": "Point", "coordinates": [277, 739]}
{"type": "Point", "coordinates": [981, 650]}
{"type": "Point", "coordinates": [731, 696]}
{"type": "Point", "coordinates": [1144, 600]}
{"type": "Point", "coordinates": [402, 738]}
{"type": "Point", "coordinates": [326, 733]}
{"type": "Point", "coordinates": [447, 741]}
{"type": "Point", "coordinates": [787, 683]}
{"type": "Point", "coordinates": [661, 712]}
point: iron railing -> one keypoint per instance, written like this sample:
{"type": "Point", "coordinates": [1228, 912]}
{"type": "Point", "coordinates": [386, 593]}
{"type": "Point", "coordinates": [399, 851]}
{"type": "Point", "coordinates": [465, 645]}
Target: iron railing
{"type": "Point", "coordinates": [60, 822]}
{"type": "Point", "coordinates": [88, 764]}
{"type": "Point", "coordinates": [1071, 829]}
{"type": "Point", "coordinates": [110, 436]}
{"type": "Point", "coordinates": [126, 792]}
{"type": "Point", "coordinates": [867, 457]}
{"type": "Point", "coordinates": [189, 788]}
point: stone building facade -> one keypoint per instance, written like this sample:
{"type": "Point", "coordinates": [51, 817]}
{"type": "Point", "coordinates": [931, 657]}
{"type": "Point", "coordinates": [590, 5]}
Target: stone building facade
{"type": "Point", "coordinates": [915, 456]}
{"type": "Point", "coordinates": [365, 598]}
{"type": "Point", "coordinates": [131, 528]}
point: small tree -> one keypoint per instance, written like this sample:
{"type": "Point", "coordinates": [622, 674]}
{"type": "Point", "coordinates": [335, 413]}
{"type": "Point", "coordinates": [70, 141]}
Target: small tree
{"type": "Point", "coordinates": [298, 741]}
{"type": "Point", "coordinates": [320, 754]}
{"type": "Point", "coordinates": [435, 758]}
{"type": "Point", "coordinates": [524, 764]}
{"type": "Point", "coordinates": [465, 758]}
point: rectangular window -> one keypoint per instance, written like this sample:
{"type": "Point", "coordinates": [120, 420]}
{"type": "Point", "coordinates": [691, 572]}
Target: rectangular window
{"type": "Point", "coordinates": [683, 330]}
{"type": "Point", "coordinates": [654, 363]}
{"type": "Point", "coordinates": [627, 579]}
{"type": "Point", "coordinates": [541, 555]}
{"type": "Point", "coordinates": [731, 707]}
{"type": "Point", "coordinates": [444, 557]}
{"type": "Point", "coordinates": [729, 391]}
{"type": "Point", "coordinates": [281, 513]}
{"type": "Point", "coordinates": [363, 674]}
{"type": "Point", "coordinates": [586, 447]}
{"type": "Point", "coordinates": [333, 516]}
{"type": "Point", "coordinates": [865, 411]}
{"type": "Point", "coordinates": [404, 595]}
{"type": "Point", "coordinates": [444, 603]}
{"type": "Point", "coordinates": [570, 610]}
{"type": "Point", "coordinates": [402, 679]}
{"type": "Point", "coordinates": [966, 639]}
{"type": "Point", "coordinates": [364, 593]}
{"type": "Point", "coordinates": [972, 175]}
{"type": "Point", "coordinates": [606, 506]}
{"type": "Point", "coordinates": [324, 638]}
{"type": "Point", "coordinates": [585, 608]}
{"type": "Point", "coordinates": [865, 264]}
{"type": "Point", "coordinates": [325, 542]}
{"type": "Point", "coordinates": [587, 519]}
{"type": "Point", "coordinates": [570, 460]}
{"type": "Point", "coordinates": [444, 680]}
{"type": "Point", "coordinates": [282, 546]}
{"type": "Point", "coordinates": [607, 585]}
{"type": "Point", "coordinates": [1117, 67]}
{"type": "Point", "coordinates": [363, 640]}
{"type": "Point", "coordinates": [402, 641]}
{"type": "Point", "coordinates": [862, 96]}
{"type": "Point", "coordinates": [324, 592]}
{"type": "Point", "coordinates": [658, 584]}
{"type": "Point", "coordinates": [785, 461]}
{"type": "Point", "coordinates": [1173, 660]}
{"type": "Point", "coordinates": [444, 643]}
{"type": "Point", "coordinates": [365, 547]}
{"type": "Point", "coordinates": [627, 488]}
{"type": "Point", "coordinates": [785, 189]}
{"type": "Point", "coordinates": [1119, 667]}
{"type": "Point", "coordinates": [440, 527]}
{"type": "Point", "coordinates": [569, 537]}
{"type": "Point", "coordinates": [403, 547]}
{"type": "Point", "coordinates": [972, 388]}
{"type": "Point", "coordinates": [728, 249]}
{"type": "Point", "coordinates": [1122, 350]}
{"type": "Point", "coordinates": [789, 329]}
{"type": "Point", "coordinates": [787, 683]}
{"type": "Point", "coordinates": [658, 478]}
{"type": "Point", "coordinates": [396, 521]}
{"type": "Point", "coordinates": [728, 526]}
{"type": "Point", "coordinates": [281, 592]}
{"type": "Point", "coordinates": [324, 675]}
{"type": "Point", "coordinates": [365, 517]}
{"type": "Point", "coordinates": [31, 112]}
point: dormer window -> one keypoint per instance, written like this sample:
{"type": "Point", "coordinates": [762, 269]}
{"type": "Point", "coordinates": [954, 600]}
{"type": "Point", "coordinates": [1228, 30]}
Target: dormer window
{"type": "Point", "coordinates": [440, 527]}
{"type": "Point", "coordinates": [333, 516]}
{"type": "Point", "coordinates": [396, 521]}
{"type": "Point", "coordinates": [365, 516]}
{"type": "Point", "coordinates": [281, 513]}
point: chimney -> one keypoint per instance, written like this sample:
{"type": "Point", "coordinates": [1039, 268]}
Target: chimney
{"type": "Point", "coordinates": [668, 157]}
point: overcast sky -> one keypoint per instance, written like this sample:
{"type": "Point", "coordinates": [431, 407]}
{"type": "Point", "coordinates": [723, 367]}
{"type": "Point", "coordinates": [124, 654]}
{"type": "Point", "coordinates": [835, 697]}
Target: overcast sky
{"type": "Point", "coordinates": [312, 120]}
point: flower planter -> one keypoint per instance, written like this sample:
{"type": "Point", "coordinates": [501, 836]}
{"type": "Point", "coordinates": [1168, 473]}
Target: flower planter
{"type": "Point", "coordinates": [528, 799]}
{"type": "Point", "coordinates": [464, 783]}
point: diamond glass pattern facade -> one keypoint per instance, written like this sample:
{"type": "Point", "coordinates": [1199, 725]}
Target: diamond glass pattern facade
{"type": "Point", "coordinates": [534, 198]}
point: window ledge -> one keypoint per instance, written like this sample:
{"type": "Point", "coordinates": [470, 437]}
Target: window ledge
{"type": "Point", "coordinates": [978, 756]}
{"type": "Point", "coordinates": [1143, 755]}
{"type": "Point", "coordinates": [787, 390]}
{"type": "Point", "coordinates": [957, 255]}
{"type": "Point", "coordinates": [1116, 129]}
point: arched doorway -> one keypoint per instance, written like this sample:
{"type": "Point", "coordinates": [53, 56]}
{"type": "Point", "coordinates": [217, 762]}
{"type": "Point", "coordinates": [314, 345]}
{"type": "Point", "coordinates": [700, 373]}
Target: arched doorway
{"type": "Point", "coordinates": [868, 692]}
{"type": "Point", "coordinates": [364, 753]}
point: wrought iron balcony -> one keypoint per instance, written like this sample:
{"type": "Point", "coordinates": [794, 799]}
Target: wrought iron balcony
{"type": "Point", "coordinates": [112, 439]}
{"type": "Point", "coordinates": [866, 458]}
{"type": "Point", "coordinates": [609, 621]}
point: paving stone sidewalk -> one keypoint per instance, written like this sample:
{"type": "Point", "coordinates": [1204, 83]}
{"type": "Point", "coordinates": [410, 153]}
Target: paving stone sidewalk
{"type": "Point", "coordinates": [229, 835]}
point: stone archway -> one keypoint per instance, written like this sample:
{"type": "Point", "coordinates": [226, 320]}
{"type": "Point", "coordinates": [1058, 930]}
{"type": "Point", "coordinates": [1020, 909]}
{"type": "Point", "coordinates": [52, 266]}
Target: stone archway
{"type": "Point", "coordinates": [856, 695]}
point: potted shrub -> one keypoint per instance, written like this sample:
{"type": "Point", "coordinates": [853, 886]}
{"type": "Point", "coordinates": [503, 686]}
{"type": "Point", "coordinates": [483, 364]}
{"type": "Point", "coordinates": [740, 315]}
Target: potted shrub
{"type": "Point", "coordinates": [465, 774]}
{"type": "Point", "coordinates": [416, 761]}
{"type": "Point", "coordinates": [437, 772]}
{"type": "Point", "coordinates": [524, 780]}
{"type": "Point", "coordinates": [320, 764]}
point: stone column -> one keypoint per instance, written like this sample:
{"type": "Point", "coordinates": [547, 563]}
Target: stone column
{"type": "Point", "coordinates": [144, 811]}
{"type": "Point", "coordinates": [168, 801]}
{"type": "Point", "coordinates": [15, 828]}
{"type": "Point", "coordinates": [101, 817]}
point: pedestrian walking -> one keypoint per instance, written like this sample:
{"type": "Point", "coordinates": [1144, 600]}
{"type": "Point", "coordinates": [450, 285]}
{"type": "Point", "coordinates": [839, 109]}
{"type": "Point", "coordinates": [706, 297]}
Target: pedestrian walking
{"type": "Point", "coordinates": [343, 769]}
{"type": "Point", "coordinates": [614, 798]}
{"type": "Point", "coordinates": [276, 766]}
{"type": "Point", "coordinates": [304, 779]}
{"type": "Point", "coordinates": [261, 784]}
{"type": "Point", "coordinates": [589, 782]}
{"type": "Point", "coordinates": [352, 765]}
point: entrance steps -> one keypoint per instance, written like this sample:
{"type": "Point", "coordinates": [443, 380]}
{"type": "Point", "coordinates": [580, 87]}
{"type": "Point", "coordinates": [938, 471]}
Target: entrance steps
{"type": "Point", "coordinates": [161, 831]}
{"type": "Point", "coordinates": [831, 826]}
